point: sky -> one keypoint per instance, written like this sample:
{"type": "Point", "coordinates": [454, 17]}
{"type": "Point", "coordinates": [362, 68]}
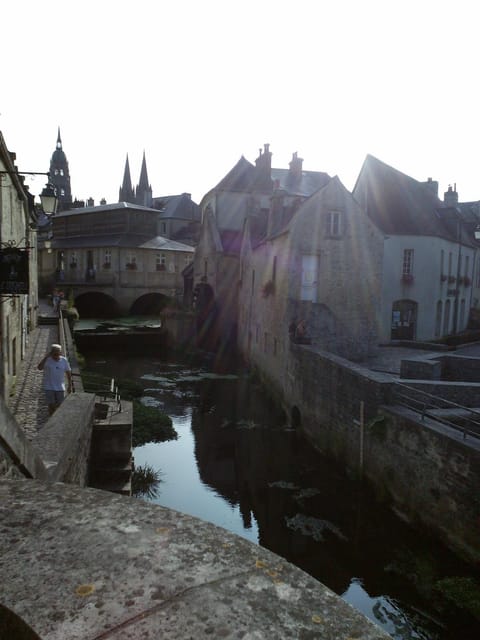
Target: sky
{"type": "Point", "coordinates": [196, 84]}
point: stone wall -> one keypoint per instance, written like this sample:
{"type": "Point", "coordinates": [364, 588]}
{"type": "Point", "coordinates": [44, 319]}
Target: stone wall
{"type": "Point", "coordinates": [425, 470]}
{"type": "Point", "coordinates": [430, 473]}
{"type": "Point", "coordinates": [64, 442]}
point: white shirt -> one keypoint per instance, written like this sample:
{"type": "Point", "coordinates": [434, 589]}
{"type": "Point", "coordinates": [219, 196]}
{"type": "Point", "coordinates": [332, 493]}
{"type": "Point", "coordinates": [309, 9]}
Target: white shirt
{"type": "Point", "coordinates": [54, 373]}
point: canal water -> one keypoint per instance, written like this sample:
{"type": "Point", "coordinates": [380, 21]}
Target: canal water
{"type": "Point", "coordinates": [236, 463]}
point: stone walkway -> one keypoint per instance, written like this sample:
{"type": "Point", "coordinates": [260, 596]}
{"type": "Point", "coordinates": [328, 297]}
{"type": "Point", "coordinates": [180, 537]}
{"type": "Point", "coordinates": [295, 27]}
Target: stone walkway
{"type": "Point", "coordinates": [28, 404]}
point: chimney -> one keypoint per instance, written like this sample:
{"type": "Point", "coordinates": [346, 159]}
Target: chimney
{"type": "Point", "coordinates": [296, 166]}
{"type": "Point", "coordinates": [432, 185]}
{"type": "Point", "coordinates": [450, 197]}
{"type": "Point", "coordinates": [263, 166]}
{"type": "Point", "coordinates": [90, 202]}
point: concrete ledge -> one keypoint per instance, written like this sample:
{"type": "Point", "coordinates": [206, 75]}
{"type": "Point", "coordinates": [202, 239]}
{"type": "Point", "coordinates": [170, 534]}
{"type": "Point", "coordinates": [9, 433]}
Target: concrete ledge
{"type": "Point", "coordinates": [81, 563]}
{"type": "Point", "coordinates": [64, 441]}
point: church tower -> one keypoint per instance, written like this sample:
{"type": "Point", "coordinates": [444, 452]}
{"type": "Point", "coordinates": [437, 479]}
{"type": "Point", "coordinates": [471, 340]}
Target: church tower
{"type": "Point", "coordinates": [60, 176]}
{"type": "Point", "coordinates": [126, 193]}
{"type": "Point", "coordinates": [143, 193]}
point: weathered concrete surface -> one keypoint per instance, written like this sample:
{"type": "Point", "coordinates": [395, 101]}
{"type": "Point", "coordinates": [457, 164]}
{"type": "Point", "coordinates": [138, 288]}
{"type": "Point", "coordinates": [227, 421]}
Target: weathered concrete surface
{"type": "Point", "coordinates": [64, 442]}
{"type": "Point", "coordinates": [81, 563]}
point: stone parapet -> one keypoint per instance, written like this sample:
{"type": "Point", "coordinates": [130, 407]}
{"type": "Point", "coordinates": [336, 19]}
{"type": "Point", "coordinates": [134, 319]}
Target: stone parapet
{"type": "Point", "coordinates": [82, 563]}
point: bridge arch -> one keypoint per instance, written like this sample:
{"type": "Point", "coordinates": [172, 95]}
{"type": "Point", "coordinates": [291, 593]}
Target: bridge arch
{"type": "Point", "coordinates": [94, 304]}
{"type": "Point", "coordinates": [149, 304]}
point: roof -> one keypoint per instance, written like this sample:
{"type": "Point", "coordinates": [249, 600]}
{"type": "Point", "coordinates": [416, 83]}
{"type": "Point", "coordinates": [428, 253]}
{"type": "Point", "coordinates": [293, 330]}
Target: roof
{"type": "Point", "coordinates": [306, 183]}
{"type": "Point", "coordinates": [105, 208]}
{"type": "Point", "coordinates": [401, 205]}
{"type": "Point", "coordinates": [243, 177]}
{"type": "Point", "coordinates": [178, 206]}
{"type": "Point", "coordinates": [125, 240]}
{"type": "Point", "coordinates": [240, 178]}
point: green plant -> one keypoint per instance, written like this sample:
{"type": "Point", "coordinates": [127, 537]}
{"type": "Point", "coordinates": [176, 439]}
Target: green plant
{"type": "Point", "coordinates": [145, 482]}
{"type": "Point", "coordinates": [463, 593]}
{"type": "Point", "coordinates": [151, 425]}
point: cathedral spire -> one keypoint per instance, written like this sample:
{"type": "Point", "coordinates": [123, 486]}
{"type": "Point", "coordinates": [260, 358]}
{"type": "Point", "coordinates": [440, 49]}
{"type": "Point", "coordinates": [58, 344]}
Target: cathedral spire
{"type": "Point", "coordinates": [144, 189]}
{"type": "Point", "coordinates": [126, 193]}
{"type": "Point", "coordinates": [59, 140]}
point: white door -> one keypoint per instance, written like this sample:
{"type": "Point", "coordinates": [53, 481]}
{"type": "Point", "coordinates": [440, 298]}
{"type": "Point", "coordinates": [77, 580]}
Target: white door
{"type": "Point", "coordinates": [309, 278]}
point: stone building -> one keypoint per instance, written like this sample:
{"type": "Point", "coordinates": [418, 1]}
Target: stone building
{"type": "Point", "coordinates": [244, 194]}
{"type": "Point", "coordinates": [113, 258]}
{"type": "Point", "coordinates": [322, 267]}
{"type": "Point", "coordinates": [18, 311]}
{"type": "Point", "coordinates": [429, 254]}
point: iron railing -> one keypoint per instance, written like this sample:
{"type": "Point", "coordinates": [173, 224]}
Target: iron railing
{"type": "Point", "coordinates": [456, 416]}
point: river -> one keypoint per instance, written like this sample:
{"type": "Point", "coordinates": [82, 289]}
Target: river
{"type": "Point", "coordinates": [237, 464]}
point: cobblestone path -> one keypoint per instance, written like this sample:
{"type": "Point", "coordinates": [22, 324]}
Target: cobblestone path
{"type": "Point", "coordinates": [28, 403]}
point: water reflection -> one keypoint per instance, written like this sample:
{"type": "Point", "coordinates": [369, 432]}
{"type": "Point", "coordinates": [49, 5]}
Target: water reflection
{"type": "Point", "coordinates": [237, 464]}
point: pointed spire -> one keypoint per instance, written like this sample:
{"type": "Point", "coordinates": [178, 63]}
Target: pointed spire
{"type": "Point", "coordinates": [144, 190]}
{"type": "Point", "coordinates": [59, 140]}
{"type": "Point", "coordinates": [143, 183]}
{"type": "Point", "coordinates": [126, 193]}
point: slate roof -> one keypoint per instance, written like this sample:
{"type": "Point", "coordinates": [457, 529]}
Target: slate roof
{"type": "Point", "coordinates": [401, 205]}
{"type": "Point", "coordinates": [240, 178]}
{"type": "Point", "coordinates": [124, 240]}
{"type": "Point", "coordinates": [105, 208]}
{"type": "Point", "coordinates": [304, 185]}
{"type": "Point", "coordinates": [243, 177]}
{"type": "Point", "coordinates": [177, 206]}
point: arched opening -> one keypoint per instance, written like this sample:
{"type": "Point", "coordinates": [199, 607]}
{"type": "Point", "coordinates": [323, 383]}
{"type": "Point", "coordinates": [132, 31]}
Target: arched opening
{"type": "Point", "coordinates": [296, 417]}
{"type": "Point", "coordinates": [150, 304]}
{"type": "Point", "coordinates": [96, 305]}
{"type": "Point", "coordinates": [404, 320]}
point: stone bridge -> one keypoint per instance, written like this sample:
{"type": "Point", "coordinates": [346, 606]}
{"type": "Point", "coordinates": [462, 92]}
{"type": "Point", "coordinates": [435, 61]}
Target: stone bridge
{"type": "Point", "coordinates": [121, 294]}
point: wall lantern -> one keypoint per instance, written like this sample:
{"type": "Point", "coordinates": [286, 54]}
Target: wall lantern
{"type": "Point", "coordinates": [49, 200]}
{"type": "Point", "coordinates": [48, 197]}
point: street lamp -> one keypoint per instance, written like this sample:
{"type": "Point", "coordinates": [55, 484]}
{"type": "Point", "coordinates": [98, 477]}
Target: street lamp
{"type": "Point", "coordinates": [48, 197]}
{"type": "Point", "coordinates": [49, 200]}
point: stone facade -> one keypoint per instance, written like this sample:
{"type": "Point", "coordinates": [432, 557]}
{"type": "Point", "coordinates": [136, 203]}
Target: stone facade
{"type": "Point", "coordinates": [113, 250]}
{"type": "Point", "coordinates": [18, 313]}
{"type": "Point", "coordinates": [324, 268]}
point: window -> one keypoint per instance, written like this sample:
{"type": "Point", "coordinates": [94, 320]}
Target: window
{"type": "Point", "coordinates": [407, 262]}
{"type": "Point", "coordinates": [161, 262]}
{"type": "Point", "coordinates": [131, 261]}
{"type": "Point", "coordinates": [274, 269]}
{"type": "Point", "coordinates": [333, 224]}
{"type": "Point", "coordinates": [467, 266]}
{"type": "Point", "coordinates": [164, 227]}
{"type": "Point", "coordinates": [107, 259]}
{"type": "Point", "coordinates": [450, 265]}
{"type": "Point", "coordinates": [442, 262]}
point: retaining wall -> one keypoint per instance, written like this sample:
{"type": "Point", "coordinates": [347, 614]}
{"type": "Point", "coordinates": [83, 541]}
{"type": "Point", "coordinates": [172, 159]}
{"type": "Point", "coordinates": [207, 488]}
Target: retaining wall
{"type": "Point", "coordinates": [427, 471]}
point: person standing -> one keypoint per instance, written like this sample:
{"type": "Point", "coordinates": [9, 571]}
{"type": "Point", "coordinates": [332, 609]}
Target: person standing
{"type": "Point", "coordinates": [55, 368]}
